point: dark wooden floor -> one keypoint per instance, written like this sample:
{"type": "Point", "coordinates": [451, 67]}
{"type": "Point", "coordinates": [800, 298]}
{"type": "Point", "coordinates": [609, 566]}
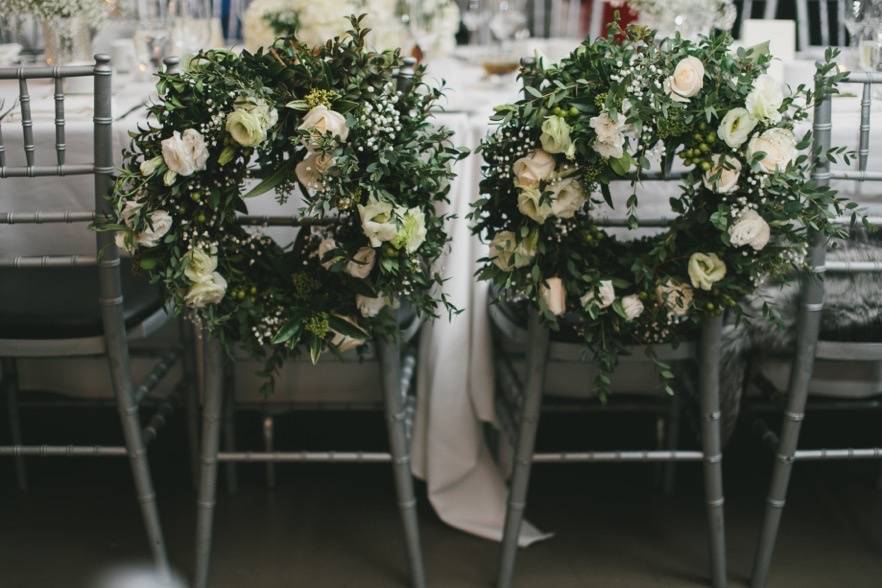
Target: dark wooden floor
{"type": "Point", "coordinates": [337, 526]}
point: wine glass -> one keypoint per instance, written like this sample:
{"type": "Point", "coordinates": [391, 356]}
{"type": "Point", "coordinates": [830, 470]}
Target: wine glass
{"type": "Point", "coordinates": [191, 27]}
{"type": "Point", "coordinates": [421, 22]}
{"type": "Point", "coordinates": [508, 21]}
{"type": "Point", "coordinates": [474, 17]}
{"type": "Point", "coordinates": [152, 37]}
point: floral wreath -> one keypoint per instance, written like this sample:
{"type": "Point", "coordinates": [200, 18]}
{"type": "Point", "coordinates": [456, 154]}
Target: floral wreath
{"type": "Point", "coordinates": [333, 122]}
{"type": "Point", "coordinates": [614, 105]}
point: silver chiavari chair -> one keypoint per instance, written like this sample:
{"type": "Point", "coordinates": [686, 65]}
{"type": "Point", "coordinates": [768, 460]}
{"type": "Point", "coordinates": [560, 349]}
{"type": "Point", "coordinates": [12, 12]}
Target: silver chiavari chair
{"type": "Point", "coordinates": [538, 349]}
{"type": "Point", "coordinates": [397, 361]}
{"type": "Point", "coordinates": [810, 344]}
{"type": "Point", "coordinates": [805, 15]}
{"type": "Point", "coordinates": [33, 326]}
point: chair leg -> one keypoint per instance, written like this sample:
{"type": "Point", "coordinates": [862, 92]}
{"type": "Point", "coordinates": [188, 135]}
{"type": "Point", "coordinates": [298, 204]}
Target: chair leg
{"type": "Point", "coordinates": [229, 427]}
{"type": "Point", "coordinates": [191, 400]}
{"type": "Point", "coordinates": [712, 447]}
{"type": "Point", "coordinates": [269, 428]}
{"type": "Point", "coordinates": [517, 498]}
{"type": "Point", "coordinates": [808, 327]}
{"type": "Point", "coordinates": [672, 436]}
{"type": "Point", "coordinates": [211, 415]}
{"type": "Point", "coordinates": [390, 366]}
{"type": "Point", "coordinates": [10, 382]}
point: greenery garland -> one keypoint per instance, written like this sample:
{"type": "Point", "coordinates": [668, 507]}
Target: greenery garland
{"type": "Point", "coordinates": [612, 110]}
{"type": "Point", "coordinates": [328, 122]}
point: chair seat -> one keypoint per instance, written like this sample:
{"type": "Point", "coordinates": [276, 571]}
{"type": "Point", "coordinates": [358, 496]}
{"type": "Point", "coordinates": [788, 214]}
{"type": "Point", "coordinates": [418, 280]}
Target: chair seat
{"type": "Point", "coordinates": [62, 303]}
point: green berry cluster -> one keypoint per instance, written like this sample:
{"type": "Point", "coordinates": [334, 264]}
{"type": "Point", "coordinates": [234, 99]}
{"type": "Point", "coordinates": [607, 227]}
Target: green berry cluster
{"type": "Point", "coordinates": [698, 152]}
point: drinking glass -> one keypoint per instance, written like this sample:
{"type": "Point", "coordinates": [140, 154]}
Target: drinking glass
{"type": "Point", "coordinates": [474, 17]}
{"type": "Point", "coordinates": [191, 27]}
{"type": "Point", "coordinates": [153, 39]}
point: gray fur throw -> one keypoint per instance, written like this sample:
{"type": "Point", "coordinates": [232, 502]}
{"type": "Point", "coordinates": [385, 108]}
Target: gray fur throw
{"type": "Point", "coordinates": [852, 312]}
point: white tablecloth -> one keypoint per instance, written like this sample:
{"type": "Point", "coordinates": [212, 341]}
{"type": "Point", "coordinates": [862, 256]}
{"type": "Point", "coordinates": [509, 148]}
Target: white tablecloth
{"type": "Point", "coordinates": [455, 378]}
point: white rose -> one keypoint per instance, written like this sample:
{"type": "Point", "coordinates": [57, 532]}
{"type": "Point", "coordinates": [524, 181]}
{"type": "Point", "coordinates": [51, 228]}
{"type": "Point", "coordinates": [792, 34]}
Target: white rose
{"type": "Point", "coordinates": [567, 197]}
{"type": "Point", "coordinates": [735, 127]}
{"type": "Point", "coordinates": [554, 295]}
{"type": "Point", "coordinates": [325, 247]}
{"type": "Point", "coordinates": [362, 263]}
{"type": "Point", "coordinates": [343, 342]}
{"type": "Point", "coordinates": [502, 249]}
{"type": "Point", "coordinates": [209, 290]}
{"type": "Point", "coordinates": [412, 232]}
{"type": "Point", "coordinates": [632, 307]}
{"type": "Point", "coordinates": [185, 153]}
{"type": "Point", "coordinates": [606, 295]}
{"type": "Point", "coordinates": [123, 240]}
{"type": "Point", "coordinates": [532, 169]}
{"type": "Point", "coordinates": [750, 229]}
{"type": "Point", "coordinates": [377, 221]}
{"type": "Point", "coordinates": [778, 144]}
{"type": "Point", "coordinates": [686, 81]}
{"type": "Point", "coordinates": [531, 205]}
{"type": "Point", "coordinates": [310, 170]}
{"type": "Point", "coordinates": [320, 121]}
{"type": "Point", "coordinates": [722, 177]}
{"type": "Point", "coordinates": [369, 307]}
{"type": "Point", "coordinates": [198, 264]}
{"type": "Point", "coordinates": [765, 99]}
{"type": "Point", "coordinates": [675, 296]}
{"type": "Point", "coordinates": [160, 222]}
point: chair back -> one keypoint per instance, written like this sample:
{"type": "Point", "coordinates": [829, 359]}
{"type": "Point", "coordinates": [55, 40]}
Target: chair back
{"type": "Point", "coordinates": [810, 11]}
{"type": "Point", "coordinates": [769, 11]}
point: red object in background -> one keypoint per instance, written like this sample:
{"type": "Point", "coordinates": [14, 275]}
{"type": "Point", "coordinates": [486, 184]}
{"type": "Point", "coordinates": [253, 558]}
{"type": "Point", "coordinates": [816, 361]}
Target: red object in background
{"type": "Point", "coordinates": [627, 15]}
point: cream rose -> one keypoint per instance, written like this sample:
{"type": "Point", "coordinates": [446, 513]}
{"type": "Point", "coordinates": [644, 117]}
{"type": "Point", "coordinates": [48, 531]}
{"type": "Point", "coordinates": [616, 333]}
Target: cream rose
{"type": "Point", "coordinates": [723, 176]}
{"type": "Point", "coordinates": [502, 249]}
{"type": "Point", "coordinates": [567, 197]}
{"type": "Point", "coordinates": [369, 307]}
{"type": "Point", "coordinates": [209, 290]}
{"type": "Point", "coordinates": [412, 232]}
{"type": "Point", "coordinates": [529, 171]}
{"type": "Point", "coordinates": [736, 127]}
{"type": "Point", "coordinates": [779, 146]}
{"type": "Point", "coordinates": [198, 264]}
{"type": "Point", "coordinates": [377, 221]}
{"type": "Point", "coordinates": [706, 269]}
{"type": "Point", "coordinates": [555, 137]}
{"type": "Point", "coordinates": [632, 306]}
{"type": "Point", "coordinates": [185, 153]}
{"type": "Point", "coordinates": [675, 296]}
{"type": "Point", "coordinates": [765, 99]}
{"type": "Point", "coordinates": [320, 121]}
{"type": "Point", "coordinates": [750, 229]}
{"type": "Point", "coordinates": [606, 295]}
{"type": "Point", "coordinates": [554, 295]}
{"type": "Point", "coordinates": [686, 81]}
{"type": "Point", "coordinates": [159, 224]}
{"type": "Point", "coordinates": [312, 168]}
{"type": "Point", "coordinates": [531, 205]}
{"type": "Point", "coordinates": [362, 263]}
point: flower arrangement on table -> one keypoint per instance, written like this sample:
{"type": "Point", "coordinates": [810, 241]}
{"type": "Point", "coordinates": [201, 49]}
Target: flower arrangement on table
{"type": "Point", "coordinates": [94, 11]}
{"type": "Point", "coordinates": [744, 208]}
{"type": "Point", "coordinates": [690, 18]}
{"type": "Point", "coordinates": [331, 123]}
{"type": "Point", "coordinates": [314, 22]}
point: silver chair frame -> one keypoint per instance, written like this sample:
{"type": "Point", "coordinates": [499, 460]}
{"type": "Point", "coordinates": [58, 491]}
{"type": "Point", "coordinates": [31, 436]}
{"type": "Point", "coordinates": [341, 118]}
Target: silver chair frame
{"type": "Point", "coordinates": [114, 341]}
{"type": "Point", "coordinates": [808, 347]}
{"type": "Point", "coordinates": [396, 374]}
{"type": "Point", "coordinates": [540, 350]}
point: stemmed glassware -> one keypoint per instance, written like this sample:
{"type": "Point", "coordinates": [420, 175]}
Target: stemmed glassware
{"type": "Point", "coordinates": [191, 26]}
{"type": "Point", "coordinates": [153, 39]}
{"type": "Point", "coordinates": [475, 15]}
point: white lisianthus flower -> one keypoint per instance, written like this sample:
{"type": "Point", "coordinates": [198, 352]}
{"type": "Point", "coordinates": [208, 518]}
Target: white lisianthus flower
{"type": "Point", "coordinates": [610, 129]}
{"type": "Point", "coordinates": [567, 197]}
{"type": "Point", "coordinates": [320, 121]}
{"type": "Point", "coordinates": [377, 221]}
{"type": "Point", "coordinates": [343, 342]}
{"type": "Point", "coordinates": [765, 99]}
{"type": "Point", "coordinates": [555, 137]}
{"type": "Point", "coordinates": [369, 307]}
{"type": "Point", "coordinates": [362, 263]}
{"type": "Point", "coordinates": [160, 223]}
{"type": "Point", "coordinates": [736, 127]}
{"type": "Point", "coordinates": [245, 128]}
{"type": "Point", "coordinates": [675, 296]}
{"type": "Point", "coordinates": [779, 146]}
{"type": "Point", "coordinates": [532, 169]}
{"type": "Point", "coordinates": [750, 229]}
{"type": "Point", "coordinates": [554, 295]}
{"type": "Point", "coordinates": [723, 176]}
{"type": "Point", "coordinates": [266, 114]}
{"type": "Point", "coordinates": [706, 269]}
{"type": "Point", "coordinates": [149, 166]}
{"type": "Point", "coordinates": [502, 249]}
{"type": "Point", "coordinates": [632, 306]}
{"type": "Point", "coordinates": [412, 232]}
{"type": "Point", "coordinates": [325, 247]}
{"type": "Point", "coordinates": [530, 204]}
{"type": "Point", "coordinates": [686, 81]}
{"type": "Point", "coordinates": [185, 153]}
{"type": "Point", "coordinates": [199, 264]}
{"type": "Point", "coordinates": [209, 290]}
{"type": "Point", "coordinates": [606, 295]}
{"type": "Point", "coordinates": [310, 170]}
